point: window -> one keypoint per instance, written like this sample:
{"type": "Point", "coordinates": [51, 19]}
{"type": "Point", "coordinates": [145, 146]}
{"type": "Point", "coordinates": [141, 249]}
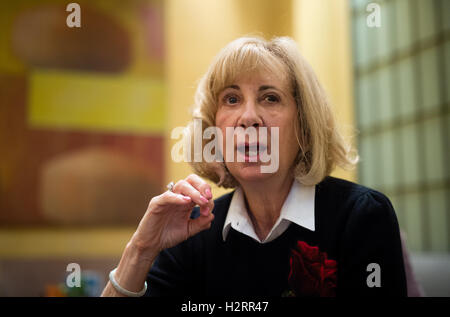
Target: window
{"type": "Point", "coordinates": [401, 72]}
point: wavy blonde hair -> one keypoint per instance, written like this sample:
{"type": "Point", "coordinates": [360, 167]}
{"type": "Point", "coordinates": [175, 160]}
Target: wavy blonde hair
{"type": "Point", "coordinates": [321, 146]}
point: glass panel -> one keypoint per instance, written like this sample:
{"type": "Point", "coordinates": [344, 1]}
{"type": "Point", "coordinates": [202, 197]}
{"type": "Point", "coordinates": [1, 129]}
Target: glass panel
{"type": "Point", "coordinates": [410, 152]}
{"type": "Point", "coordinates": [398, 156]}
{"type": "Point", "coordinates": [359, 4]}
{"type": "Point", "coordinates": [433, 150]}
{"type": "Point", "coordinates": [403, 15]}
{"type": "Point", "coordinates": [373, 35]}
{"type": "Point", "coordinates": [447, 140]}
{"type": "Point", "coordinates": [385, 31]}
{"type": "Point", "coordinates": [360, 44]}
{"type": "Point", "coordinates": [406, 87]}
{"type": "Point", "coordinates": [413, 221]}
{"type": "Point", "coordinates": [386, 97]}
{"type": "Point", "coordinates": [447, 69]}
{"type": "Point", "coordinates": [364, 102]}
{"type": "Point", "coordinates": [396, 102]}
{"type": "Point", "coordinates": [438, 216]}
{"type": "Point", "coordinates": [426, 21]}
{"type": "Point", "coordinates": [387, 159]}
{"type": "Point", "coordinates": [384, 153]}
{"type": "Point", "coordinates": [375, 100]}
{"type": "Point", "coordinates": [430, 78]}
{"type": "Point", "coordinates": [445, 12]}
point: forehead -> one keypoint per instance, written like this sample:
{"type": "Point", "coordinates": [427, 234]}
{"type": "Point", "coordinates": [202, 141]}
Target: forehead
{"type": "Point", "coordinates": [247, 63]}
{"type": "Point", "coordinates": [261, 78]}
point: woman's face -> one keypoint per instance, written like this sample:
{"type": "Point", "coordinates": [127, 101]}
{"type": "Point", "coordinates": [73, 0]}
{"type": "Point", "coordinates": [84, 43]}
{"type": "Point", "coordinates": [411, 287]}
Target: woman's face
{"type": "Point", "coordinates": [258, 100]}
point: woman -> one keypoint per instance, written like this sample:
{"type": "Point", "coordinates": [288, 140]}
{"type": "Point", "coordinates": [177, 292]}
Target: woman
{"type": "Point", "coordinates": [296, 231]}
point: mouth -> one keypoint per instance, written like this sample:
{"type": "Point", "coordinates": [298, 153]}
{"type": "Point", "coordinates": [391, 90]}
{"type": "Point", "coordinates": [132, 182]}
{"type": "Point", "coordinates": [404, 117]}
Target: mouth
{"type": "Point", "coordinates": [251, 151]}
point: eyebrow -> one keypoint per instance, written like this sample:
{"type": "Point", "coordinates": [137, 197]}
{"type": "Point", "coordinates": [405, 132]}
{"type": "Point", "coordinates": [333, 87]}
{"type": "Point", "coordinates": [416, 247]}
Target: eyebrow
{"type": "Point", "coordinates": [261, 88]}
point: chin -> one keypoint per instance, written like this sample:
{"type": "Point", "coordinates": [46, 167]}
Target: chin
{"type": "Point", "coordinates": [249, 173]}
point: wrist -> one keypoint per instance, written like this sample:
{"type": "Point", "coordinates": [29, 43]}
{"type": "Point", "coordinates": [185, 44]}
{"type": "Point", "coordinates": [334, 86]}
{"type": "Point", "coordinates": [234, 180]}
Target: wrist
{"type": "Point", "coordinates": [133, 267]}
{"type": "Point", "coordinates": [140, 252]}
{"type": "Point", "coordinates": [123, 291]}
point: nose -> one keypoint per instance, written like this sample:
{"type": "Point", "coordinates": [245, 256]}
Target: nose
{"type": "Point", "coordinates": [250, 116]}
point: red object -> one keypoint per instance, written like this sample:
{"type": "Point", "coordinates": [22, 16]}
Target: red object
{"type": "Point", "coordinates": [312, 273]}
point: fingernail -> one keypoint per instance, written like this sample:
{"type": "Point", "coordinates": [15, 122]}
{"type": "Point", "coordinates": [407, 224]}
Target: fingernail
{"type": "Point", "coordinates": [208, 193]}
{"type": "Point", "coordinates": [203, 199]}
{"type": "Point", "coordinates": [186, 198]}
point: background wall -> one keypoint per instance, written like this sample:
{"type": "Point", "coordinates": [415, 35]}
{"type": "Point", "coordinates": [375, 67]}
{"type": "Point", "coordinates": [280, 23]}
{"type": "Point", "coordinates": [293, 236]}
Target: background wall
{"type": "Point", "coordinates": [82, 128]}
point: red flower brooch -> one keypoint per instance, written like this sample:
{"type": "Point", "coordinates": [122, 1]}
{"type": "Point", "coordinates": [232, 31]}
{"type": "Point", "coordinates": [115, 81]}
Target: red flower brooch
{"type": "Point", "coordinates": [311, 272]}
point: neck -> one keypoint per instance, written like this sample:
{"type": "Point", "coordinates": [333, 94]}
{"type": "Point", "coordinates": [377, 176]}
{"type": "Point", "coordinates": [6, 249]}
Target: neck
{"type": "Point", "coordinates": [264, 201]}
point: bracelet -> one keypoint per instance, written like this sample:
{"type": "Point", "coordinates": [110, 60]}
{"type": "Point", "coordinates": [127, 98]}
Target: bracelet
{"type": "Point", "coordinates": [123, 291]}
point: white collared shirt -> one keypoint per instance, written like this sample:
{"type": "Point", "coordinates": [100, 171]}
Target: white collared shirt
{"type": "Point", "coordinates": [297, 208]}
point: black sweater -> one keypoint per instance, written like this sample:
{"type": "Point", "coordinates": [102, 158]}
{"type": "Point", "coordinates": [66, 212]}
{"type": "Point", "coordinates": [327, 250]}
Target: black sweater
{"type": "Point", "coordinates": [354, 225]}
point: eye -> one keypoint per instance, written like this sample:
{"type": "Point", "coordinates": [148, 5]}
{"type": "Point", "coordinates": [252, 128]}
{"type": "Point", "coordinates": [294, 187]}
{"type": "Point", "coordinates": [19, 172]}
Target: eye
{"type": "Point", "coordinates": [231, 99]}
{"type": "Point", "coordinates": [272, 98]}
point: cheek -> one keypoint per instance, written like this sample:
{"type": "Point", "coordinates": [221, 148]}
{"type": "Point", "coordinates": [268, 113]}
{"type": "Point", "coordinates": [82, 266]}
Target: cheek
{"type": "Point", "coordinates": [289, 131]}
{"type": "Point", "coordinates": [221, 119]}
{"type": "Point", "coordinates": [220, 122]}
{"type": "Point", "coordinates": [288, 140]}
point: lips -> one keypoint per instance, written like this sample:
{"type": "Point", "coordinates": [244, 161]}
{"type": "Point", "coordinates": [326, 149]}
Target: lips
{"type": "Point", "coordinates": [251, 151]}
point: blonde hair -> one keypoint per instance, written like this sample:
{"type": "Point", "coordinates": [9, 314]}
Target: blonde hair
{"type": "Point", "coordinates": [321, 146]}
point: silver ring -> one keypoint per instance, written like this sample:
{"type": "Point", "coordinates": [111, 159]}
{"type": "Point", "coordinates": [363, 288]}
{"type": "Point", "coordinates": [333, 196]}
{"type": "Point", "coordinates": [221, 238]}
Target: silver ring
{"type": "Point", "coordinates": [170, 186]}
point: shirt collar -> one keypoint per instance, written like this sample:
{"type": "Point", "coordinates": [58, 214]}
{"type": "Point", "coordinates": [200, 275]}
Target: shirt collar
{"type": "Point", "coordinates": [297, 208]}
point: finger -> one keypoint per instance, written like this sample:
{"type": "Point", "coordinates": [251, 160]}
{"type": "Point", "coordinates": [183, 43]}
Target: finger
{"type": "Point", "coordinates": [210, 207]}
{"type": "Point", "coordinates": [186, 189]}
{"type": "Point", "coordinates": [169, 197]}
{"type": "Point", "coordinates": [202, 186]}
{"type": "Point", "coordinates": [199, 224]}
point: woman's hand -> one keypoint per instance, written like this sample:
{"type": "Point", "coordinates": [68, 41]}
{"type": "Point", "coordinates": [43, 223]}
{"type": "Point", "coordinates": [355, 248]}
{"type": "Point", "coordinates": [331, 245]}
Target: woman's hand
{"type": "Point", "coordinates": [167, 221]}
{"type": "Point", "coordinates": [165, 224]}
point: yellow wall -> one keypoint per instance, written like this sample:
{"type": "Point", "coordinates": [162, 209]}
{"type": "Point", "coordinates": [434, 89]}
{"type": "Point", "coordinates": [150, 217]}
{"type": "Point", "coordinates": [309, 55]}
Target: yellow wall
{"type": "Point", "coordinates": [121, 103]}
{"type": "Point", "coordinates": [322, 29]}
{"type": "Point", "coordinates": [38, 243]}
